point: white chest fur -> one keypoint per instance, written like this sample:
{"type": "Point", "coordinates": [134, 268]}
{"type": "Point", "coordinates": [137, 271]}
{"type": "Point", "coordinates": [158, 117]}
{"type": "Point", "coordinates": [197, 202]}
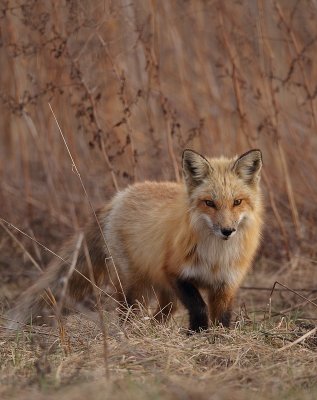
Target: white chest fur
{"type": "Point", "coordinates": [216, 262]}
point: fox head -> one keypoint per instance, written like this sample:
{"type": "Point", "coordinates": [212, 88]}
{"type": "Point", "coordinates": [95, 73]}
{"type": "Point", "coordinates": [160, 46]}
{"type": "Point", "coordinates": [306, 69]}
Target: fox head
{"type": "Point", "coordinates": [224, 194]}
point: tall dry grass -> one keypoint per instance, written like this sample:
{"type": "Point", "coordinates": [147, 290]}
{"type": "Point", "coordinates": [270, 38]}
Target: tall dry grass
{"type": "Point", "coordinates": [133, 83]}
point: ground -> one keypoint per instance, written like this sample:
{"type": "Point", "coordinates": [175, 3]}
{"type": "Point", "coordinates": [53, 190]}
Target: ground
{"type": "Point", "coordinates": [141, 359]}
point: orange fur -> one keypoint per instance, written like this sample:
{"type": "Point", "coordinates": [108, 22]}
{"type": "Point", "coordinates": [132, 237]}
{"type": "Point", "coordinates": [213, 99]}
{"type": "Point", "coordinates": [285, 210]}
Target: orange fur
{"type": "Point", "coordinates": [162, 235]}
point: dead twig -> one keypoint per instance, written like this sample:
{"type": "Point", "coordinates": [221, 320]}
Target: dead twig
{"type": "Point", "coordinates": [291, 290]}
{"type": "Point", "coordinates": [20, 244]}
{"type": "Point", "coordinates": [312, 290]}
{"type": "Point", "coordinates": [299, 340]}
{"type": "Point", "coordinates": [69, 274]}
{"type": "Point", "coordinates": [99, 308]}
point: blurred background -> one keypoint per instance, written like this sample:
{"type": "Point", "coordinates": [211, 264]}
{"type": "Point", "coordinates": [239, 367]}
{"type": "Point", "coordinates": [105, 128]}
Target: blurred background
{"type": "Point", "coordinates": [132, 83]}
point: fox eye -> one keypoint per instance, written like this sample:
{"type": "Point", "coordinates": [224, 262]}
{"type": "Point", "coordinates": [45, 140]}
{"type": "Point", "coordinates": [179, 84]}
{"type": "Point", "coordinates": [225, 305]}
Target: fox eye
{"type": "Point", "coordinates": [210, 203]}
{"type": "Point", "coordinates": [237, 202]}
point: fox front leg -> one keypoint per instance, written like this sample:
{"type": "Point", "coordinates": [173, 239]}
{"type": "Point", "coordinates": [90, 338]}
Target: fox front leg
{"type": "Point", "coordinates": [191, 298]}
{"type": "Point", "coordinates": [220, 304]}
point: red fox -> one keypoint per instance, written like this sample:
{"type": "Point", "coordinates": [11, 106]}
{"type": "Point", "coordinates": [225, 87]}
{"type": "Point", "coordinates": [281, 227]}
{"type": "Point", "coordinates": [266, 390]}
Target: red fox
{"type": "Point", "coordinates": [169, 240]}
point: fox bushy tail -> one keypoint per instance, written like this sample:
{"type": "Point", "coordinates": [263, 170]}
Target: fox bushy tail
{"type": "Point", "coordinates": [58, 288]}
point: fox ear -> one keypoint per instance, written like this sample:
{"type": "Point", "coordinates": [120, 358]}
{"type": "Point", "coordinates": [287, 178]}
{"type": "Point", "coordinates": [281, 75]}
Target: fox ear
{"type": "Point", "coordinates": [248, 166]}
{"type": "Point", "coordinates": [195, 168]}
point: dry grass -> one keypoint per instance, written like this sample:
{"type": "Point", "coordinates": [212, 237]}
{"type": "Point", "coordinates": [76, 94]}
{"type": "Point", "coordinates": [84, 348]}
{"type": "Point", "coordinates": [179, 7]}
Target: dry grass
{"type": "Point", "coordinates": [132, 83]}
{"type": "Point", "coordinates": [147, 360]}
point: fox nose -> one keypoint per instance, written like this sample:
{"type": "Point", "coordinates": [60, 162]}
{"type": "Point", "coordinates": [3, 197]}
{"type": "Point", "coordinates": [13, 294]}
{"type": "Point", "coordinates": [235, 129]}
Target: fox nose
{"type": "Point", "coordinates": [227, 231]}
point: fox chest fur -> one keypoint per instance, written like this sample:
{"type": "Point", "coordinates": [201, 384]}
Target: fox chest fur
{"type": "Point", "coordinates": [214, 262]}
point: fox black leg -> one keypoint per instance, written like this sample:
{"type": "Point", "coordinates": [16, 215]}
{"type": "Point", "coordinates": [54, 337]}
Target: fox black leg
{"type": "Point", "coordinates": [191, 298]}
{"type": "Point", "coordinates": [225, 318]}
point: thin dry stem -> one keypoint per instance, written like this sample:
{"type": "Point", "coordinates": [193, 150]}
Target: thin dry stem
{"type": "Point", "coordinates": [20, 244]}
{"type": "Point", "coordinates": [69, 274]}
{"type": "Point", "coordinates": [88, 199]}
{"type": "Point", "coordinates": [99, 308]}
{"type": "Point", "coordinates": [299, 340]}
